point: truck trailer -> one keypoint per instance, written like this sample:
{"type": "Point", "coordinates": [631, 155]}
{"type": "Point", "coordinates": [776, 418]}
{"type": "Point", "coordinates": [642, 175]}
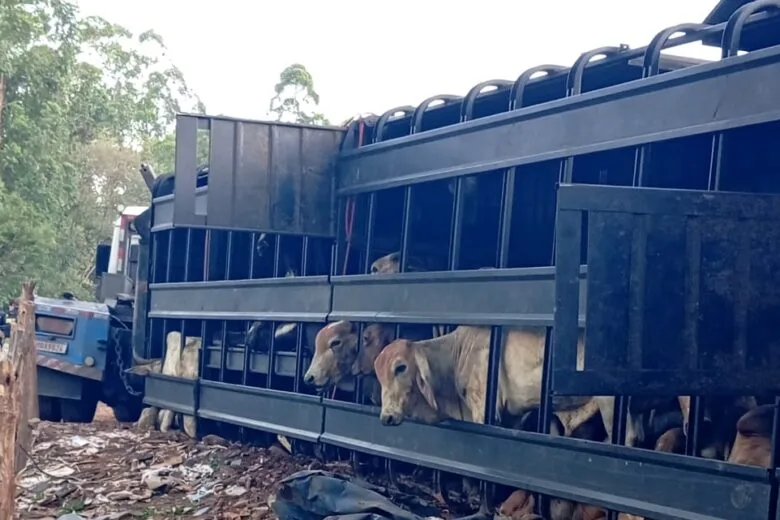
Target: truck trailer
{"type": "Point", "coordinates": [632, 197]}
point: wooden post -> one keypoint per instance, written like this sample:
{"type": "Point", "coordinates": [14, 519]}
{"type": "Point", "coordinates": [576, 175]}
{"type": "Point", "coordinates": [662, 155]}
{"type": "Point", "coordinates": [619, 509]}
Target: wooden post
{"type": "Point", "coordinates": [28, 377]}
{"type": "Point", "coordinates": [12, 381]}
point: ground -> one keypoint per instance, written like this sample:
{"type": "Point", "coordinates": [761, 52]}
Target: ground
{"type": "Point", "coordinates": [111, 471]}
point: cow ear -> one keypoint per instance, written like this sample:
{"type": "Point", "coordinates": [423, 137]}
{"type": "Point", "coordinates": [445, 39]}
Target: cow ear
{"type": "Point", "coordinates": [423, 379]}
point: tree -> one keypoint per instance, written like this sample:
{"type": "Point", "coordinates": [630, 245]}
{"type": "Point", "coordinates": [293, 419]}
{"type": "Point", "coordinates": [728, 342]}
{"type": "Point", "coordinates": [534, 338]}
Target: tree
{"type": "Point", "coordinates": [82, 100]}
{"type": "Point", "coordinates": [296, 97]}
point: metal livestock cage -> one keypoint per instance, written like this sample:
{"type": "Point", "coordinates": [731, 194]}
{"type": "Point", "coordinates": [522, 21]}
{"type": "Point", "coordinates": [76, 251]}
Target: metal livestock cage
{"type": "Point", "coordinates": [610, 167]}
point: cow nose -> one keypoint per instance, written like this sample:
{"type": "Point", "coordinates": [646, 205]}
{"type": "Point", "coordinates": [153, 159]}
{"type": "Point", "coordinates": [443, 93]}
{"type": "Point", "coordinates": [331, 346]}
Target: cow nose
{"type": "Point", "coordinates": [308, 379]}
{"type": "Point", "coordinates": [386, 419]}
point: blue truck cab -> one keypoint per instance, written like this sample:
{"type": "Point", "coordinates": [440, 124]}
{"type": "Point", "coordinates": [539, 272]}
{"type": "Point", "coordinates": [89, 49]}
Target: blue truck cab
{"type": "Point", "coordinates": [71, 339]}
{"type": "Point", "coordinates": [84, 347]}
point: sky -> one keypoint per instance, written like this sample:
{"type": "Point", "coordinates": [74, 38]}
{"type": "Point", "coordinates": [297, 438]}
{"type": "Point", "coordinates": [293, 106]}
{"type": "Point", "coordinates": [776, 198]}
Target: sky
{"type": "Point", "coordinates": [370, 56]}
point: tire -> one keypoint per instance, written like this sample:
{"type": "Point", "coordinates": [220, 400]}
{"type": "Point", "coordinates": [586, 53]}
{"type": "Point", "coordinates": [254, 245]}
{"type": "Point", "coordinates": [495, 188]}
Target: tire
{"type": "Point", "coordinates": [49, 409]}
{"type": "Point", "coordinates": [128, 412]}
{"type": "Point", "coordinates": [82, 411]}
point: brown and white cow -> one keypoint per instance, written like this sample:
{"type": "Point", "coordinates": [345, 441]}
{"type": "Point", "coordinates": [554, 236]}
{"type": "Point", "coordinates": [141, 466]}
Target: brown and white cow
{"type": "Point", "coordinates": [335, 351]}
{"type": "Point", "coordinates": [446, 378]}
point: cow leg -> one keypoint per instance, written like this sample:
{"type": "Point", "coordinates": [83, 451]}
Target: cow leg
{"type": "Point", "coordinates": [606, 406]}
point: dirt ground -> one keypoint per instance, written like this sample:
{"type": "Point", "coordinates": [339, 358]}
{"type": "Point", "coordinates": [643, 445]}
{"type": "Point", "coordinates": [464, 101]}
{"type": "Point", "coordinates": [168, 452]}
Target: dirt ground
{"type": "Point", "coordinates": [110, 471]}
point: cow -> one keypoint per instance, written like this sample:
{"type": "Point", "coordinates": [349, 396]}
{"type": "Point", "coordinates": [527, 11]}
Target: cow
{"type": "Point", "coordinates": [445, 378]}
{"type": "Point", "coordinates": [178, 362]}
{"type": "Point", "coordinates": [721, 413]}
{"type": "Point", "coordinates": [335, 351]}
{"type": "Point", "coordinates": [753, 443]}
{"type": "Point", "coordinates": [338, 356]}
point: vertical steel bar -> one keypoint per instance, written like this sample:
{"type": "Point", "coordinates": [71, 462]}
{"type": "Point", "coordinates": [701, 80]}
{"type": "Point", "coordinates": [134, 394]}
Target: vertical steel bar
{"type": "Point", "coordinates": [205, 340]}
{"type": "Point", "coordinates": [169, 261]}
{"type": "Point", "coordinates": [271, 355]}
{"type": "Point", "coordinates": [187, 260]}
{"type": "Point", "coordinates": [456, 226]}
{"type": "Point", "coordinates": [224, 347]}
{"type": "Point", "coordinates": [340, 237]}
{"type": "Point", "coordinates": [407, 222]}
{"type": "Point", "coordinates": [368, 253]}
{"type": "Point", "coordinates": [405, 225]}
{"type": "Point", "coordinates": [252, 255]}
{"type": "Point", "coordinates": [277, 255]}
{"type": "Point", "coordinates": [497, 333]}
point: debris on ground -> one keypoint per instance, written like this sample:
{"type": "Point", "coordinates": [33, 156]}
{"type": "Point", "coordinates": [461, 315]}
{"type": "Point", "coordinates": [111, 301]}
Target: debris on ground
{"type": "Point", "coordinates": [111, 471]}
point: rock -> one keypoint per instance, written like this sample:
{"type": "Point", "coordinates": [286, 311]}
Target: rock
{"type": "Point", "coordinates": [235, 491]}
{"type": "Point", "coordinates": [214, 440]}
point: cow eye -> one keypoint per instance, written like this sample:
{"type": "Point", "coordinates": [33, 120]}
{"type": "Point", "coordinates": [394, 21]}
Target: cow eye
{"type": "Point", "coordinates": [399, 369]}
{"type": "Point", "coordinates": [335, 343]}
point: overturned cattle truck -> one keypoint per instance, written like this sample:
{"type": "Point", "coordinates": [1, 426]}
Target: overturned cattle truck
{"type": "Point", "coordinates": [632, 200]}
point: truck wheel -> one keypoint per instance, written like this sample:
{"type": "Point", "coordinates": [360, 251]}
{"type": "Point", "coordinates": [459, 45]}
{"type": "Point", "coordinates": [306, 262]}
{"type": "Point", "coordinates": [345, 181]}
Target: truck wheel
{"type": "Point", "coordinates": [49, 409]}
{"type": "Point", "coordinates": [82, 411]}
{"type": "Point", "coordinates": [127, 412]}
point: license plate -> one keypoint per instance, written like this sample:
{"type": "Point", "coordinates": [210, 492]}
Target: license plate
{"type": "Point", "coordinates": [49, 346]}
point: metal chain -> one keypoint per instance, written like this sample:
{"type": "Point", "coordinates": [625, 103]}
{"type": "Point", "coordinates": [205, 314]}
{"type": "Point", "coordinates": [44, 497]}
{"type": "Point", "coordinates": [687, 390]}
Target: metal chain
{"type": "Point", "coordinates": [121, 366]}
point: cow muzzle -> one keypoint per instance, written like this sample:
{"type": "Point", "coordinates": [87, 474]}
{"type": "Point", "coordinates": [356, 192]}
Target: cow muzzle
{"type": "Point", "coordinates": [390, 419]}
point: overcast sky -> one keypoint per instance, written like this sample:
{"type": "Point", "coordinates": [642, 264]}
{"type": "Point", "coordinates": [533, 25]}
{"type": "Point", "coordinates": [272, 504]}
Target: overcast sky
{"type": "Point", "coordinates": [370, 56]}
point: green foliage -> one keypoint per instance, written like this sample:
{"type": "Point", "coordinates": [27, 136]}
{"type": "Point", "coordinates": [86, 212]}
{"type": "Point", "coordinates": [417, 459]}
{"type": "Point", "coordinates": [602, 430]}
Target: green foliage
{"type": "Point", "coordinates": [82, 102]}
{"type": "Point", "coordinates": [296, 96]}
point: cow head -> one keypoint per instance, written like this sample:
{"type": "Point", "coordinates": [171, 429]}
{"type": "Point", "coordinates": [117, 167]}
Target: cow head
{"type": "Point", "coordinates": [519, 505]}
{"type": "Point", "coordinates": [391, 263]}
{"type": "Point", "coordinates": [406, 380]}
{"type": "Point", "coordinates": [335, 350]}
{"type": "Point", "coordinates": [375, 338]}
{"type": "Point", "coordinates": [387, 264]}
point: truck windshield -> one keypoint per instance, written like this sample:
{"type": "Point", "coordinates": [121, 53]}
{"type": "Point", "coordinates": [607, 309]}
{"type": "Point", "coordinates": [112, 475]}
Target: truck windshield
{"type": "Point", "coordinates": [52, 325]}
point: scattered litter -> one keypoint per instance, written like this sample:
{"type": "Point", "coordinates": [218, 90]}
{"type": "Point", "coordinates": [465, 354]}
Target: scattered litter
{"type": "Point", "coordinates": [110, 471]}
{"type": "Point", "coordinates": [235, 491]}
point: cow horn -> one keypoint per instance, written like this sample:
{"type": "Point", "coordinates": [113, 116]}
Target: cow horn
{"type": "Point", "coordinates": [138, 360]}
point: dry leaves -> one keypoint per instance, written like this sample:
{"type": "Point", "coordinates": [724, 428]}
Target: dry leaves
{"type": "Point", "coordinates": [106, 470]}
{"type": "Point", "coordinates": [111, 471]}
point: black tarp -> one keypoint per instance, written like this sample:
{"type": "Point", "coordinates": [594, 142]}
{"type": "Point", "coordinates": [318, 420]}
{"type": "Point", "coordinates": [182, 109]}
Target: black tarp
{"type": "Point", "coordinates": [319, 495]}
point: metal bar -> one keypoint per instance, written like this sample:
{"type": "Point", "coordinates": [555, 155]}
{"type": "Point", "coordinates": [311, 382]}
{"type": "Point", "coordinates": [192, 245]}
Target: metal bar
{"type": "Point", "coordinates": [335, 261]}
{"type": "Point", "coordinates": [379, 133]}
{"type": "Point", "coordinates": [247, 355]}
{"type": "Point", "coordinates": [497, 333]}
{"type": "Point", "coordinates": [271, 355]}
{"type": "Point", "coordinates": [505, 234]}
{"type": "Point", "coordinates": [543, 464]}
{"type": "Point", "coordinates": [467, 106]}
{"type": "Point", "coordinates": [419, 112]}
{"type": "Point", "coordinates": [369, 232]}
{"type": "Point", "coordinates": [279, 299]}
{"type": "Point", "coordinates": [298, 358]}
{"type": "Point", "coordinates": [407, 224]}
{"type": "Point", "coordinates": [169, 258]}
{"type": "Point", "coordinates": [651, 67]}
{"type": "Point", "coordinates": [224, 345]}
{"type": "Point", "coordinates": [574, 88]}
{"type": "Point", "coordinates": [277, 255]}
{"type": "Point", "coordinates": [186, 167]}
{"type": "Point", "coordinates": [456, 225]}
{"type": "Point", "coordinates": [516, 100]}
{"type": "Point", "coordinates": [252, 255]}
{"type": "Point", "coordinates": [204, 327]}
{"type": "Point", "coordinates": [691, 101]}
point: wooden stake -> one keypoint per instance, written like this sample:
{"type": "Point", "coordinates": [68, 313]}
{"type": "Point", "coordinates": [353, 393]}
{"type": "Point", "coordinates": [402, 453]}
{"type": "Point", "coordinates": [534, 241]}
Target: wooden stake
{"type": "Point", "coordinates": [28, 378]}
{"type": "Point", "coordinates": [11, 384]}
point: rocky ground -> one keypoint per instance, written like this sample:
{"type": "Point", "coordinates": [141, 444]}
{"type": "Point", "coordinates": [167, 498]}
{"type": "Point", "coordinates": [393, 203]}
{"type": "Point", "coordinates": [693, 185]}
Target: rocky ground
{"type": "Point", "coordinates": [106, 470]}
